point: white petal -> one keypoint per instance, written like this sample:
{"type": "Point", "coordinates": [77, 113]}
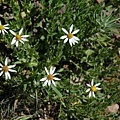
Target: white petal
{"type": "Point", "coordinates": [55, 74]}
{"type": "Point", "coordinates": [7, 75]}
{"type": "Point", "coordinates": [64, 30]}
{"type": "Point", "coordinates": [90, 94]}
{"type": "Point", "coordinates": [76, 38]}
{"type": "Point", "coordinates": [99, 88]}
{"type": "Point", "coordinates": [0, 69]}
{"type": "Point", "coordinates": [71, 28]}
{"type": "Point", "coordinates": [63, 37]}
{"type": "Point", "coordinates": [45, 83]}
{"type": "Point", "coordinates": [24, 36]}
{"type": "Point", "coordinates": [76, 31]}
{"type": "Point", "coordinates": [1, 73]}
{"type": "Point", "coordinates": [11, 70]}
{"type": "Point", "coordinates": [1, 65]}
{"type": "Point", "coordinates": [46, 71]}
{"type": "Point", "coordinates": [5, 29]}
{"type": "Point", "coordinates": [88, 90]}
{"type": "Point", "coordinates": [97, 84]}
{"type": "Point", "coordinates": [88, 85]}
{"type": "Point", "coordinates": [49, 82]}
{"type": "Point", "coordinates": [43, 79]}
{"type": "Point", "coordinates": [65, 40]}
{"type": "Point", "coordinates": [17, 43]}
{"type": "Point", "coordinates": [21, 41]}
{"type": "Point", "coordinates": [24, 39]}
{"type": "Point", "coordinates": [6, 25]}
{"type": "Point", "coordinates": [93, 94]}
{"type": "Point", "coordinates": [52, 70]}
{"type": "Point", "coordinates": [6, 61]}
{"type": "Point", "coordinates": [70, 42]}
{"type": "Point", "coordinates": [11, 66]}
{"type": "Point", "coordinates": [53, 83]}
{"type": "Point", "coordinates": [13, 41]}
{"type": "Point", "coordinates": [20, 32]}
{"type": "Point", "coordinates": [3, 32]}
{"type": "Point", "coordinates": [13, 32]}
{"type": "Point", "coordinates": [74, 41]}
{"type": "Point", "coordinates": [92, 82]}
{"type": "Point", "coordinates": [0, 23]}
{"type": "Point", "coordinates": [55, 78]}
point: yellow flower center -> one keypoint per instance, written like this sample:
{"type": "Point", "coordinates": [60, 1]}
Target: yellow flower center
{"type": "Point", "coordinates": [70, 35]}
{"type": "Point", "coordinates": [18, 37]}
{"type": "Point", "coordinates": [50, 77]}
{"type": "Point", "coordinates": [1, 27]}
{"type": "Point", "coordinates": [94, 88]}
{"type": "Point", "coordinates": [5, 68]}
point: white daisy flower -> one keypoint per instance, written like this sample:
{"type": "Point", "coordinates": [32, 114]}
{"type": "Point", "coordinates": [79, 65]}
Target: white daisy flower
{"type": "Point", "coordinates": [70, 36]}
{"type": "Point", "coordinates": [6, 69]}
{"type": "Point", "coordinates": [50, 77]}
{"type": "Point", "coordinates": [18, 37]}
{"type": "Point", "coordinates": [92, 88]}
{"type": "Point", "coordinates": [3, 28]}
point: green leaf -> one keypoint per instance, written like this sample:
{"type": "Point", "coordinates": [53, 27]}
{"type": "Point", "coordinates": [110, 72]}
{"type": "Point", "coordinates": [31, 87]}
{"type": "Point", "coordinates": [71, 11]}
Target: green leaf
{"type": "Point", "coordinates": [1, 91]}
{"type": "Point", "coordinates": [89, 52]}
{"type": "Point", "coordinates": [61, 70]}
{"type": "Point", "coordinates": [57, 91]}
{"type": "Point", "coordinates": [26, 117]}
{"type": "Point", "coordinates": [33, 64]}
{"type": "Point", "coordinates": [25, 86]}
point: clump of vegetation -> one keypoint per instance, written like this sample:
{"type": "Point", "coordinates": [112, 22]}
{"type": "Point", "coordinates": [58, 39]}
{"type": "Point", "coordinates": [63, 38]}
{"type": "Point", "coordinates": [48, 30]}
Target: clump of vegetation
{"type": "Point", "coordinates": [59, 59]}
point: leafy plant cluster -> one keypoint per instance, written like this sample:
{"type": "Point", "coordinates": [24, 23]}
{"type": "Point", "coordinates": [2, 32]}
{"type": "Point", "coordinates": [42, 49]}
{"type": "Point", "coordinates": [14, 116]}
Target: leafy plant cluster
{"type": "Point", "coordinates": [94, 57]}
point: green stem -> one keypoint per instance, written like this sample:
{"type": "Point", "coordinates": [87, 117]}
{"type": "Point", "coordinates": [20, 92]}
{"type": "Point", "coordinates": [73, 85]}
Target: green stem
{"type": "Point", "coordinates": [36, 99]}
